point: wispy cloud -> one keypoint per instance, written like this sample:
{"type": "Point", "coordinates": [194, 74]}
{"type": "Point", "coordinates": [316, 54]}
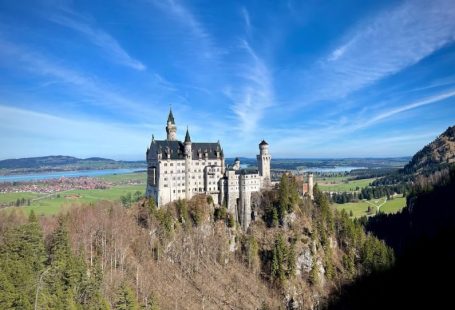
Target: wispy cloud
{"type": "Point", "coordinates": [361, 121]}
{"type": "Point", "coordinates": [384, 45]}
{"type": "Point", "coordinates": [254, 93]}
{"type": "Point", "coordinates": [183, 15]}
{"type": "Point", "coordinates": [87, 85]}
{"type": "Point", "coordinates": [98, 37]}
{"type": "Point", "coordinates": [411, 106]}
{"type": "Point", "coordinates": [341, 130]}
{"type": "Point", "coordinates": [246, 18]}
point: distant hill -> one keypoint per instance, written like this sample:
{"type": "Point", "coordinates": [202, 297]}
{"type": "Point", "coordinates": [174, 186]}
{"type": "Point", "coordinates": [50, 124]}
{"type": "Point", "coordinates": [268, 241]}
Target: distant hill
{"type": "Point", "coordinates": [52, 161]}
{"type": "Point", "coordinates": [439, 152]}
{"type": "Point", "coordinates": [63, 163]}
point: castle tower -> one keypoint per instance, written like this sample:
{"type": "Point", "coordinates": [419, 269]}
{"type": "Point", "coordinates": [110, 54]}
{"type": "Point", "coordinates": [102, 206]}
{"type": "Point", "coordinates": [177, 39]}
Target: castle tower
{"type": "Point", "coordinates": [223, 165]}
{"type": "Point", "coordinates": [188, 159]}
{"type": "Point", "coordinates": [263, 161]}
{"type": "Point", "coordinates": [244, 212]}
{"type": "Point", "coordinates": [236, 165]}
{"type": "Point", "coordinates": [310, 185]}
{"type": "Point", "coordinates": [171, 129]}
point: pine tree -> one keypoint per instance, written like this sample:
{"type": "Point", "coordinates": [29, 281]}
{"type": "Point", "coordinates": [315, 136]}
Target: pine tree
{"type": "Point", "coordinates": [291, 261]}
{"type": "Point", "coordinates": [279, 260]}
{"type": "Point", "coordinates": [67, 282]}
{"type": "Point", "coordinates": [328, 263]}
{"type": "Point", "coordinates": [275, 218]}
{"type": "Point", "coordinates": [8, 294]}
{"type": "Point", "coordinates": [22, 257]}
{"type": "Point", "coordinates": [151, 303]}
{"type": "Point", "coordinates": [125, 299]}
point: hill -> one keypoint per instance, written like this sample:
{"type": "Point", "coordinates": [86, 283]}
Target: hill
{"type": "Point", "coordinates": [187, 255]}
{"type": "Point", "coordinates": [439, 152]}
{"type": "Point", "coordinates": [436, 156]}
{"type": "Point", "coordinates": [422, 235]}
{"type": "Point", "coordinates": [62, 163]}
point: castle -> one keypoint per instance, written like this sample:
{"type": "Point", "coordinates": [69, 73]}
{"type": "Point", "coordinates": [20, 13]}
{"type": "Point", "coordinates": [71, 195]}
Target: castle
{"type": "Point", "coordinates": [181, 170]}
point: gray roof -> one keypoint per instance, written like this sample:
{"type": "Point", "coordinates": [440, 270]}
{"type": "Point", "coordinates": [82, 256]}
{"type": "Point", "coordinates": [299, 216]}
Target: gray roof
{"type": "Point", "coordinates": [177, 149]}
{"type": "Point", "coordinates": [170, 118]}
{"type": "Point", "coordinates": [187, 136]}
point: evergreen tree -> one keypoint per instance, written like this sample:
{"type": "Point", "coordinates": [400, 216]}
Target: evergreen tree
{"type": "Point", "coordinates": [8, 296]}
{"type": "Point", "coordinates": [279, 259]}
{"type": "Point", "coordinates": [151, 303]}
{"type": "Point", "coordinates": [125, 299]}
{"type": "Point", "coordinates": [328, 263]}
{"type": "Point", "coordinates": [22, 257]}
{"type": "Point", "coordinates": [291, 262]}
{"type": "Point", "coordinates": [275, 217]}
{"type": "Point", "coordinates": [68, 284]}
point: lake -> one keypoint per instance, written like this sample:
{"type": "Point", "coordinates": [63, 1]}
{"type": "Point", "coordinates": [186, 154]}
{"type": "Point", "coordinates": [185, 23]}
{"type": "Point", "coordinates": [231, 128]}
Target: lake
{"type": "Point", "coordinates": [332, 169]}
{"type": "Point", "coordinates": [63, 174]}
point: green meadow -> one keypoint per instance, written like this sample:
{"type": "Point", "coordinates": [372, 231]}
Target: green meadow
{"type": "Point", "coordinates": [360, 208]}
{"type": "Point", "coordinates": [122, 178]}
{"type": "Point", "coordinates": [48, 204]}
{"type": "Point", "coordinates": [342, 184]}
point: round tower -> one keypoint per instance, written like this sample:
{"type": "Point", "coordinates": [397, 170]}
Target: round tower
{"type": "Point", "coordinates": [188, 159]}
{"type": "Point", "coordinates": [263, 161]}
{"type": "Point", "coordinates": [171, 129]}
{"type": "Point", "coordinates": [236, 164]}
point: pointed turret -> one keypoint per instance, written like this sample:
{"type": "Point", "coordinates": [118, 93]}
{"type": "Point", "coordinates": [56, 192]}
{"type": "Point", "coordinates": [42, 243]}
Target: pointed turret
{"type": "Point", "coordinates": [187, 136]}
{"type": "Point", "coordinates": [170, 118]}
{"type": "Point", "coordinates": [171, 129]}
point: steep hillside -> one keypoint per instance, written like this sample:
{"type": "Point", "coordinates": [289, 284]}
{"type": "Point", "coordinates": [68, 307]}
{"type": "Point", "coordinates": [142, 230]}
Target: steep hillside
{"type": "Point", "coordinates": [188, 255]}
{"type": "Point", "coordinates": [422, 235]}
{"type": "Point", "coordinates": [439, 152]}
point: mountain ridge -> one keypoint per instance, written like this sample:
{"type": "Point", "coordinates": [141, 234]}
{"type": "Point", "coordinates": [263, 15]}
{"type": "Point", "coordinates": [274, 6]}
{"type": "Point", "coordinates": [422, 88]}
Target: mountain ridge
{"type": "Point", "coordinates": [55, 161]}
{"type": "Point", "coordinates": [440, 151]}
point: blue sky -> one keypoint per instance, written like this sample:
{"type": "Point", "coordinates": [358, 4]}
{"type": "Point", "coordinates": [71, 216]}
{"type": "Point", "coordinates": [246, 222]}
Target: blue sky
{"type": "Point", "coordinates": [313, 78]}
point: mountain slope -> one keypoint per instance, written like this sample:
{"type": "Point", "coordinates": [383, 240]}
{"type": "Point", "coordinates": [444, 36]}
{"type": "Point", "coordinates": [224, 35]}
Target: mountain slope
{"type": "Point", "coordinates": [422, 236]}
{"type": "Point", "coordinates": [439, 152]}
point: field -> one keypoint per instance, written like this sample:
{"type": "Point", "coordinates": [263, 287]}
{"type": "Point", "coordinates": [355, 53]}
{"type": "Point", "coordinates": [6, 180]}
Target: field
{"type": "Point", "coordinates": [342, 184]}
{"type": "Point", "coordinates": [361, 208]}
{"type": "Point", "coordinates": [48, 204]}
{"type": "Point", "coordinates": [127, 177]}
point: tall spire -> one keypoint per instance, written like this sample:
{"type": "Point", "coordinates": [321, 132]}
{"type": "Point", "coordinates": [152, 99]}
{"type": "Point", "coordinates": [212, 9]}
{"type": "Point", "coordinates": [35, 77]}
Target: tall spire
{"type": "Point", "coordinates": [171, 129]}
{"type": "Point", "coordinates": [187, 136]}
{"type": "Point", "coordinates": [170, 118]}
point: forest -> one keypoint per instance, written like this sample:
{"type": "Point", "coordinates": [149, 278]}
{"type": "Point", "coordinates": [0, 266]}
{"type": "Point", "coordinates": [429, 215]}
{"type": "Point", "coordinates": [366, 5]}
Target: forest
{"type": "Point", "coordinates": [190, 254]}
